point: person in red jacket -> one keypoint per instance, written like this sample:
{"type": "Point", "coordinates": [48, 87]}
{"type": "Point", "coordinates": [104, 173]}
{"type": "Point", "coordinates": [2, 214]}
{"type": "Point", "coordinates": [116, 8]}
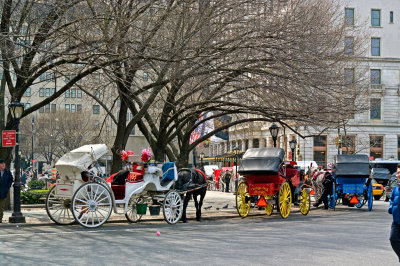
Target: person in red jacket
{"type": "Point", "coordinates": [6, 180]}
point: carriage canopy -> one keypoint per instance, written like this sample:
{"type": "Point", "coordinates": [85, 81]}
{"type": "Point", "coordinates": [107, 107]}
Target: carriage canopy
{"type": "Point", "coordinates": [74, 162]}
{"type": "Point", "coordinates": [262, 161]}
{"type": "Point", "coordinates": [380, 173]}
{"type": "Point", "coordinates": [352, 165]}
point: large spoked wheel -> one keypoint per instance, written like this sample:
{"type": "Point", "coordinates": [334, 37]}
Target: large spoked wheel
{"type": "Point", "coordinates": [285, 200]}
{"type": "Point", "coordinates": [92, 205]}
{"type": "Point", "coordinates": [243, 202]}
{"type": "Point", "coordinates": [333, 198]}
{"type": "Point", "coordinates": [370, 198]}
{"type": "Point", "coordinates": [172, 207]}
{"type": "Point", "coordinates": [59, 209]}
{"type": "Point", "coordinates": [131, 213]}
{"type": "Point", "coordinates": [304, 201]}
{"type": "Point", "coordinates": [269, 209]}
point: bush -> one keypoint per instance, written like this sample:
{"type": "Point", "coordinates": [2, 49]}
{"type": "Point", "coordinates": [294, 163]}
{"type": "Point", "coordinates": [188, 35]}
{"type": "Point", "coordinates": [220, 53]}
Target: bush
{"type": "Point", "coordinates": [33, 196]}
{"type": "Point", "coordinates": [36, 184]}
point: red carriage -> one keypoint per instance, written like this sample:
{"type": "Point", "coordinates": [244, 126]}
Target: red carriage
{"type": "Point", "coordinates": [268, 181]}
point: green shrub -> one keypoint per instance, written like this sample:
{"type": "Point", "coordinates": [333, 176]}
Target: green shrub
{"type": "Point", "coordinates": [36, 184]}
{"type": "Point", "coordinates": [33, 196]}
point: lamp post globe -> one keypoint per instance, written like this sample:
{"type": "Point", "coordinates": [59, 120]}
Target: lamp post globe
{"type": "Point", "coordinates": [292, 145]}
{"type": "Point", "coordinates": [16, 109]}
{"type": "Point", "coordinates": [274, 130]}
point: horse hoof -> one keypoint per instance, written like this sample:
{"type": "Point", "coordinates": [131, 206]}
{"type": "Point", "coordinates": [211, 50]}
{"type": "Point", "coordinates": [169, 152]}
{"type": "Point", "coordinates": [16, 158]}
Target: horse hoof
{"type": "Point", "coordinates": [184, 221]}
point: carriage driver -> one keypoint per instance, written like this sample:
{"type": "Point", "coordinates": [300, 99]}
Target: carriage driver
{"type": "Point", "coordinates": [328, 186]}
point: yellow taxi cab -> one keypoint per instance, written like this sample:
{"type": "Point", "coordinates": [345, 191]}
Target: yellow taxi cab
{"type": "Point", "coordinates": [377, 190]}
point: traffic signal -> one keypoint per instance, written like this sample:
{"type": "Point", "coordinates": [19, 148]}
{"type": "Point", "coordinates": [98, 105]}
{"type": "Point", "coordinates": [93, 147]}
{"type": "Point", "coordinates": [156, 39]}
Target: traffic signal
{"type": "Point", "coordinates": [206, 142]}
{"type": "Point", "coordinates": [298, 149]}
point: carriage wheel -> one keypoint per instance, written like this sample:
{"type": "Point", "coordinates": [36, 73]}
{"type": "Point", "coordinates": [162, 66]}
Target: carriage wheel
{"type": "Point", "coordinates": [269, 209]}
{"type": "Point", "coordinates": [172, 207]}
{"type": "Point", "coordinates": [304, 201]}
{"type": "Point", "coordinates": [243, 202]}
{"type": "Point", "coordinates": [131, 213]}
{"type": "Point", "coordinates": [59, 209]}
{"type": "Point", "coordinates": [285, 200]}
{"type": "Point", "coordinates": [370, 197]}
{"type": "Point", "coordinates": [92, 205]}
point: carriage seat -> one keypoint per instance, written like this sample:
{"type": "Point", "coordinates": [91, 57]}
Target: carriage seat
{"type": "Point", "coordinates": [170, 173]}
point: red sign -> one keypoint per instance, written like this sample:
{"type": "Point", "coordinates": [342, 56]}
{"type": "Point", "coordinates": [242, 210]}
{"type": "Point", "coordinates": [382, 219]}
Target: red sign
{"type": "Point", "coordinates": [8, 138]}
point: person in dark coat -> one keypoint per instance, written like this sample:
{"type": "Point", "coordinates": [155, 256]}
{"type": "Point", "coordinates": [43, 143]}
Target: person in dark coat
{"type": "Point", "coordinates": [6, 180]}
{"type": "Point", "coordinates": [328, 187]}
{"type": "Point", "coordinates": [394, 210]}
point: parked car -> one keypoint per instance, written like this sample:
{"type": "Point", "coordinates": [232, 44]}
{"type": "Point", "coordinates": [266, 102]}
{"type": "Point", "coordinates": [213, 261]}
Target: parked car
{"type": "Point", "coordinates": [389, 188]}
{"type": "Point", "coordinates": [377, 190]}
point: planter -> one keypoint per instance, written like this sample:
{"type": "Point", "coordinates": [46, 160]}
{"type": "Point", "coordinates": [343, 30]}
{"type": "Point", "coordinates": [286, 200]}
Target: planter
{"type": "Point", "coordinates": [154, 210]}
{"type": "Point", "coordinates": [141, 208]}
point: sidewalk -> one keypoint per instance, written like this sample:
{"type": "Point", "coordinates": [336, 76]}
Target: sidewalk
{"type": "Point", "coordinates": [216, 204]}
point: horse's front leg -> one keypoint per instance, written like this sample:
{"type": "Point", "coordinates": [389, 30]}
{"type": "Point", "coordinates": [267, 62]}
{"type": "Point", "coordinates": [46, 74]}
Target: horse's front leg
{"type": "Point", "coordinates": [196, 204]}
{"type": "Point", "coordinates": [185, 204]}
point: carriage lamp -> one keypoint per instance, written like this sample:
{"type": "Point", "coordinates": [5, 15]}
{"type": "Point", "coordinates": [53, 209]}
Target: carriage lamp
{"type": "Point", "coordinates": [274, 129]}
{"type": "Point", "coordinates": [16, 109]}
{"type": "Point", "coordinates": [293, 144]}
{"type": "Point", "coordinates": [201, 158]}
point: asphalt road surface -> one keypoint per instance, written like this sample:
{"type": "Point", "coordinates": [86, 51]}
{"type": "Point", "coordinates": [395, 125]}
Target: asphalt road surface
{"type": "Point", "coordinates": [348, 236]}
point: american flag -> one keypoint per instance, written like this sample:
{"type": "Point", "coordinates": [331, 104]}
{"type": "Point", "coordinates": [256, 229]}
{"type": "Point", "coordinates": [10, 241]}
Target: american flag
{"type": "Point", "coordinates": [199, 131]}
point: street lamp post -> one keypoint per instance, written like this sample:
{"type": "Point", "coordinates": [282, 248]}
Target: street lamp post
{"type": "Point", "coordinates": [292, 145]}
{"type": "Point", "coordinates": [16, 109]}
{"type": "Point", "coordinates": [236, 151]}
{"type": "Point", "coordinates": [201, 158]}
{"type": "Point", "coordinates": [33, 124]}
{"type": "Point", "coordinates": [274, 129]}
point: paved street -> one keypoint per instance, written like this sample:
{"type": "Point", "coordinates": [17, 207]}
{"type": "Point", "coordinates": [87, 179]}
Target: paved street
{"type": "Point", "coordinates": [348, 236]}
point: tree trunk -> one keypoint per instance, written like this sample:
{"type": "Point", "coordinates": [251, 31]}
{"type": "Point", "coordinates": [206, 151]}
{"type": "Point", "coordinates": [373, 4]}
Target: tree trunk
{"type": "Point", "coordinates": [119, 141]}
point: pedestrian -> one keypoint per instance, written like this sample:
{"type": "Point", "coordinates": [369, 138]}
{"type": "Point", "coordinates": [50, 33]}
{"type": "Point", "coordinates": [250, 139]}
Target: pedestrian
{"type": "Point", "coordinates": [394, 210]}
{"type": "Point", "coordinates": [6, 180]}
{"type": "Point", "coordinates": [328, 186]}
{"type": "Point", "coordinates": [227, 179]}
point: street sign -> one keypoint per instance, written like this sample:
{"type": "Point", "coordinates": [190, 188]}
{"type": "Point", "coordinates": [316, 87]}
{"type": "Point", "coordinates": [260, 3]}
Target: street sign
{"type": "Point", "coordinates": [8, 138]}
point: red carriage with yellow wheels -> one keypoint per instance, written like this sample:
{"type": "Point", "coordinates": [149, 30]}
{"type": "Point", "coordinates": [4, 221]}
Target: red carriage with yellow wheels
{"type": "Point", "coordinates": [268, 181]}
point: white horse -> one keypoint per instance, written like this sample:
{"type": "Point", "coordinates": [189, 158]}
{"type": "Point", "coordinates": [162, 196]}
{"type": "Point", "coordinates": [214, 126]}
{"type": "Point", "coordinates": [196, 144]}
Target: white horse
{"type": "Point", "coordinates": [317, 177]}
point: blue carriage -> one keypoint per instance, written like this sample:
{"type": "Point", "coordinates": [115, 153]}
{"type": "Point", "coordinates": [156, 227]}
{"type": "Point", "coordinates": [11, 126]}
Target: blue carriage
{"type": "Point", "coordinates": [351, 185]}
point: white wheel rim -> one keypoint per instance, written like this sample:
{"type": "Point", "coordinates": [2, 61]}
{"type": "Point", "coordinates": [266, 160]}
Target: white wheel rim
{"type": "Point", "coordinates": [58, 209]}
{"type": "Point", "coordinates": [92, 205]}
{"type": "Point", "coordinates": [131, 213]}
{"type": "Point", "coordinates": [173, 207]}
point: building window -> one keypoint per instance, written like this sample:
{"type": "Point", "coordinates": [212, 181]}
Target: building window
{"type": "Point", "coordinates": [78, 93]}
{"type": "Point", "coordinates": [349, 16]}
{"type": "Point", "coordinates": [375, 76]}
{"type": "Point", "coordinates": [67, 94]}
{"type": "Point", "coordinates": [53, 107]}
{"type": "Point", "coordinates": [320, 150]}
{"type": "Point", "coordinates": [375, 17]}
{"type": "Point", "coordinates": [73, 93]}
{"type": "Point", "coordinates": [47, 108]}
{"type": "Point", "coordinates": [348, 144]}
{"type": "Point", "coordinates": [348, 76]}
{"type": "Point", "coordinates": [376, 146]}
{"type": "Point", "coordinates": [96, 109]}
{"type": "Point", "coordinates": [391, 17]}
{"type": "Point", "coordinates": [41, 109]}
{"type": "Point", "coordinates": [73, 108]}
{"type": "Point", "coordinates": [375, 46]}
{"type": "Point", "coordinates": [256, 143]}
{"type": "Point", "coordinates": [145, 76]}
{"type": "Point", "coordinates": [349, 45]}
{"type": "Point", "coordinates": [47, 92]}
{"type": "Point", "coordinates": [67, 107]}
{"type": "Point", "coordinates": [53, 91]}
{"type": "Point", "coordinates": [97, 94]}
{"type": "Point", "coordinates": [41, 92]}
{"type": "Point", "coordinates": [27, 105]}
{"type": "Point", "coordinates": [132, 133]}
{"type": "Point", "coordinates": [375, 109]}
{"type": "Point", "coordinates": [28, 92]}
{"type": "Point", "coordinates": [79, 108]}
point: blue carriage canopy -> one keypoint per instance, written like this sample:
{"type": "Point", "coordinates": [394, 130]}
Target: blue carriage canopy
{"type": "Point", "coordinates": [352, 165]}
{"type": "Point", "coordinates": [262, 161]}
{"type": "Point", "coordinates": [381, 173]}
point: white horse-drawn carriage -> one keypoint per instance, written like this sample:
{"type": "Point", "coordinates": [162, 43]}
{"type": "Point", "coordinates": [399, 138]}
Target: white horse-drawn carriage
{"type": "Point", "coordinates": [89, 200]}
